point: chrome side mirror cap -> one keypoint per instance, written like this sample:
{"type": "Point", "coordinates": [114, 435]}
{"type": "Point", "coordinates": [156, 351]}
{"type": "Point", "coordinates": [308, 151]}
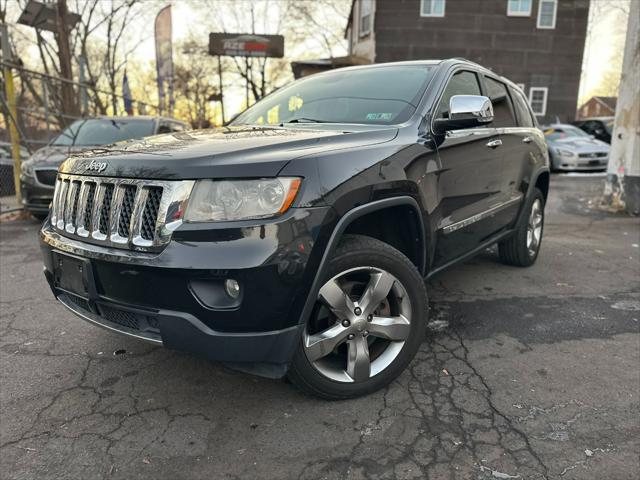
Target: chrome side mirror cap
{"type": "Point", "coordinates": [465, 111]}
{"type": "Point", "coordinates": [471, 107]}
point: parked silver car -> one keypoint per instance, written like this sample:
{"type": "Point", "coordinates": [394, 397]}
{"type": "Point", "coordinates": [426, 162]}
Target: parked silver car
{"type": "Point", "coordinates": [573, 149]}
{"type": "Point", "coordinates": [39, 173]}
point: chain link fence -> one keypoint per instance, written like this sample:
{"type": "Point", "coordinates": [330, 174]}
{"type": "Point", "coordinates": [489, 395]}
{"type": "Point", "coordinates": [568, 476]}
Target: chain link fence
{"type": "Point", "coordinates": [41, 113]}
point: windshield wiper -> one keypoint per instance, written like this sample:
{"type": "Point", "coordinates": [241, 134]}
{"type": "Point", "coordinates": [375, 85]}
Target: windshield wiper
{"type": "Point", "coordinates": [305, 120]}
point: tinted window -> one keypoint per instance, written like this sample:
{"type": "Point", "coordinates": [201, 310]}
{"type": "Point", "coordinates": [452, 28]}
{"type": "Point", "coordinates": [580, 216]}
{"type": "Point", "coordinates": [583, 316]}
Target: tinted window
{"type": "Point", "coordinates": [171, 127]}
{"type": "Point", "coordinates": [164, 128]}
{"type": "Point", "coordinates": [381, 95]}
{"type": "Point", "coordinates": [522, 110]}
{"type": "Point", "coordinates": [502, 113]}
{"type": "Point", "coordinates": [462, 83]}
{"type": "Point", "coordinates": [102, 131]}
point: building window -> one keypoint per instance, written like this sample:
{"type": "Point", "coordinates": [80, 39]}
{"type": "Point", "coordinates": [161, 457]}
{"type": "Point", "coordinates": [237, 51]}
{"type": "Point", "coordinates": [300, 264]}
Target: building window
{"type": "Point", "coordinates": [365, 17]}
{"type": "Point", "coordinates": [432, 8]}
{"type": "Point", "coordinates": [547, 10]}
{"type": "Point", "coordinates": [519, 8]}
{"type": "Point", "coordinates": [538, 100]}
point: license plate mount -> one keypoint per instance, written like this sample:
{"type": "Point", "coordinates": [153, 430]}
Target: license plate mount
{"type": "Point", "coordinates": [73, 275]}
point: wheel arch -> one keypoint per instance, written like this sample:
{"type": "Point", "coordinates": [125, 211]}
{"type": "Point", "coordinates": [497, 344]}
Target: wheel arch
{"type": "Point", "coordinates": [351, 219]}
{"type": "Point", "coordinates": [542, 182]}
{"type": "Point", "coordinates": [539, 179]}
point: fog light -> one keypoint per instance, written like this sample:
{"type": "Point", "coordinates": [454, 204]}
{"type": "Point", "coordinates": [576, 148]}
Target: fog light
{"type": "Point", "coordinates": [232, 287]}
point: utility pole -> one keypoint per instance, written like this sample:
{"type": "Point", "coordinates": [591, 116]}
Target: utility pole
{"type": "Point", "coordinates": [69, 105]}
{"type": "Point", "coordinates": [622, 188]}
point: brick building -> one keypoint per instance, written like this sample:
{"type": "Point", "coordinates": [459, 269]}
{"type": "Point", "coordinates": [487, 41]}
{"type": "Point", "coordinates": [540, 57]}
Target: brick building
{"type": "Point", "coordinates": [536, 43]}
{"type": "Point", "coordinates": [598, 107]}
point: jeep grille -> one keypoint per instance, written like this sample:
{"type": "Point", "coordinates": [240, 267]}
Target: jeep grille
{"type": "Point", "coordinates": [118, 212]}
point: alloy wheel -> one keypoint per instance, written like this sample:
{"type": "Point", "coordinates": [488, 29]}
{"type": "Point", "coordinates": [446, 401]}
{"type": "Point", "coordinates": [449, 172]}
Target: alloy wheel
{"type": "Point", "coordinates": [359, 326]}
{"type": "Point", "coordinates": [534, 227]}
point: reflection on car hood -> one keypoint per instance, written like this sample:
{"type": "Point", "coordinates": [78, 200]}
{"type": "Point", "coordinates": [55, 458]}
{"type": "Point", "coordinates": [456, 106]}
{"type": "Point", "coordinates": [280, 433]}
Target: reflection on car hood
{"type": "Point", "coordinates": [54, 155]}
{"type": "Point", "coordinates": [223, 152]}
{"type": "Point", "coordinates": [580, 145]}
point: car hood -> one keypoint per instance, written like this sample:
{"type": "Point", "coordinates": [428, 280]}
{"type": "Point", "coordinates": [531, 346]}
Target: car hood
{"type": "Point", "coordinates": [53, 155]}
{"type": "Point", "coordinates": [581, 145]}
{"type": "Point", "coordinates": [218, 153]}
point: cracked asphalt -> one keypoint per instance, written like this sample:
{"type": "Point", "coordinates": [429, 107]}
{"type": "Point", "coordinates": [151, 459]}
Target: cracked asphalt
{"type": "Point", "coordinates": [525, 373]}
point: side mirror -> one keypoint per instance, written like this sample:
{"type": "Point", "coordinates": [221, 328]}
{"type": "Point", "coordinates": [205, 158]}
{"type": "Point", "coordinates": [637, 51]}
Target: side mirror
{"type": "Point", "coordinates": [465, 111]}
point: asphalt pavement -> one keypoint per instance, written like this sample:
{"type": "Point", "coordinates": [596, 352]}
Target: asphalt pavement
{"type": "Point", "coordinates": [525, 373]}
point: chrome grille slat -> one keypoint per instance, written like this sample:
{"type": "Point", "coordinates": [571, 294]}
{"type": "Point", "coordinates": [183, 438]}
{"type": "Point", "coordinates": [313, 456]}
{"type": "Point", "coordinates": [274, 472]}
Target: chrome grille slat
{"type": "Point", "coordinates": [62, 198]}
{"type": "Point", "coordinates": [81, 213]}
{"type": "Point", "coordinates": [118, 212]}
{"type": "Point", "coordinates": [68, 207]}
{"type": "Point", "coordinates": [54, 204]}
{"type": "Point", "coordinates": [95, 215]}
{"type": "Point", "coordinates": [136, 222]}
{"type": "Point", "coordinates": [114, 218]}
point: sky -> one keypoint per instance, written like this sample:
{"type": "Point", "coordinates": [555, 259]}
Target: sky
{"type": "Point", "coordinates": [606, 37]}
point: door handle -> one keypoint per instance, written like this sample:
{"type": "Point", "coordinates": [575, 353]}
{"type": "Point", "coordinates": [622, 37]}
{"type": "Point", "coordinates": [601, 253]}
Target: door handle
{"type": "Point", "coordinates": [494, 143]}
{"type": "Point", "coordinates": [527, 139]}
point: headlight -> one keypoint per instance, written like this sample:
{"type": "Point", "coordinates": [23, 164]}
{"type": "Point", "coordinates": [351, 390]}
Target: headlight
{"type": "Point", "coordinates": [27, 168]}
{"type": "Point", "coordinates": [225, 200]}
{"type": "Point", "coordinates": [564, 153]}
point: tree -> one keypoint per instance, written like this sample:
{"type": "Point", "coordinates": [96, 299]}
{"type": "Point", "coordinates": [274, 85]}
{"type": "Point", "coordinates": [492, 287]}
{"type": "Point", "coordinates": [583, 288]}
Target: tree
{"type": "Point", "coordinates": [195, 77]}
{"type": "Point", "coordinates": [100, 40]}
{"type": "Point", "coordinates": [310, 29]}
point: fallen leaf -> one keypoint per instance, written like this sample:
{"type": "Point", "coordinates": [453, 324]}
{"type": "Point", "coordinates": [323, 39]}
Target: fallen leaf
{"type": "Point", "coordinates": [445, 371]}
{"type": "Point", "coordinates": [146, 460]}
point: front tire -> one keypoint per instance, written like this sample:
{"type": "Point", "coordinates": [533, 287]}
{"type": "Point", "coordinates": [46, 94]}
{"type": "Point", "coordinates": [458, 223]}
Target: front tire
{"type": "Point", "coordinates": [522, 248]}
{"type": "Point", "coordinates": [367, 324]}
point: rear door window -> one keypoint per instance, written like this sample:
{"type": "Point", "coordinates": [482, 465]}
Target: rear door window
{"type": "Point", "coordinates": [502, 111]}
{"type": "Point", "coordinates": [522, 110]}
{"type": "Point", "coordinates": [462, 83]}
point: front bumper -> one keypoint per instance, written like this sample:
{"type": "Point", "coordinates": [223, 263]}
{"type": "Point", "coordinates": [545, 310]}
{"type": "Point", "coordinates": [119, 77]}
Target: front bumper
{"type": "Point", "coordinates": [176, 297]}
{"type": "Point", "coordinates": [36, 197]}
{"type": "Point", "coordinates": [581, 164]}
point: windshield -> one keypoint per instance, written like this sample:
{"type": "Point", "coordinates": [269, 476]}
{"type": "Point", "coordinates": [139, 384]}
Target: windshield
{"type": "Point", "coordinates": [566, 131]}
{"type": "Point", "coordinates": [102, 131]}
{"type": "Point", "coordinates": [379, 96]}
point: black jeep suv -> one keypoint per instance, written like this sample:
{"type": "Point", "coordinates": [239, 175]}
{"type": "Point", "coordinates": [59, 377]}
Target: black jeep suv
{"type": "Point", "coordinates": [296, 240]}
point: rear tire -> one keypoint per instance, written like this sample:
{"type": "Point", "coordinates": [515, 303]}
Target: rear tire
{"type": "Point", "coordinates": [39, 216]}
{"type": "Point", "coordinates": [522, 248]}
{"type": "Point", "coordinates": [362, 334]}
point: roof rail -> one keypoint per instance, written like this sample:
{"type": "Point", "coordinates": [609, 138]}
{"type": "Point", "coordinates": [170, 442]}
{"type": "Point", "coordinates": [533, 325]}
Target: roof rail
{"type": "Point", "coordinates": [468, 61]}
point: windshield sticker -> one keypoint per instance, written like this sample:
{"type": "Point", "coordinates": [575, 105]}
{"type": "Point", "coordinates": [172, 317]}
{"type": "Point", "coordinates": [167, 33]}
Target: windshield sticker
{"type": "Point", "coordinates": [379, 116]}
